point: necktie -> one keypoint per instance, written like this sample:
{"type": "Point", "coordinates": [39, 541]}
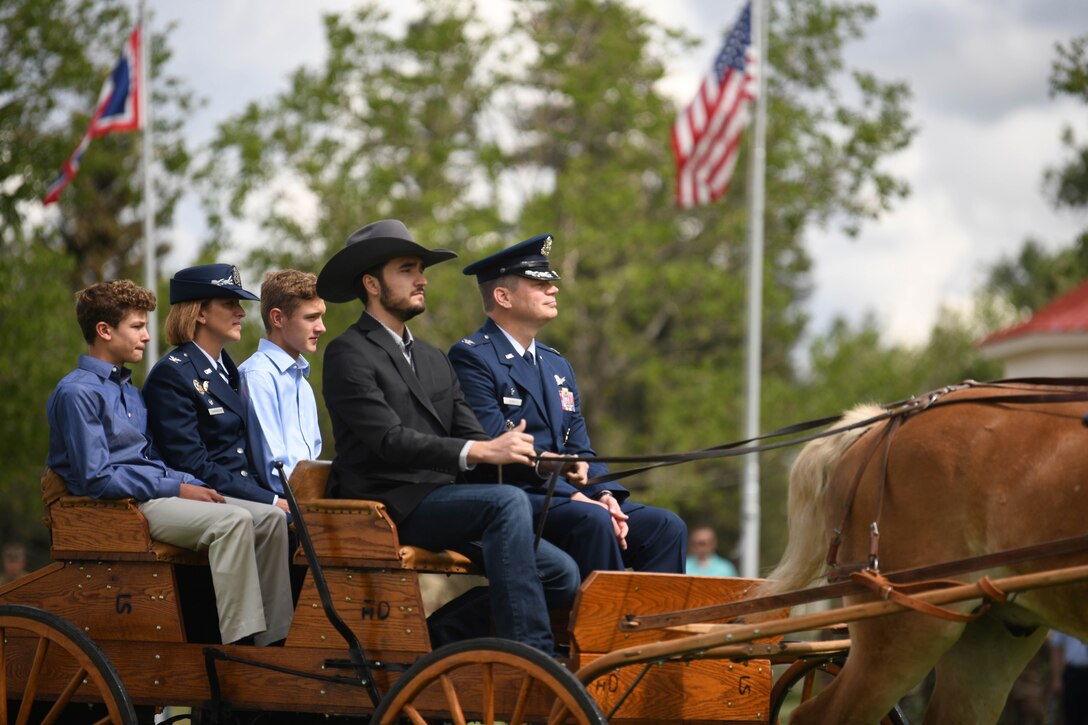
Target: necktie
{"type": "Point", "coordinates": [529, 358]}
{"type": "Point", "coordinates": [408, 351]}
{"type": "Point", "coordinates": [223, 374]}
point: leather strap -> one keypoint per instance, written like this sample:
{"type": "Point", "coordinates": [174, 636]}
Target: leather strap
{"type": "Point", "coordinates": [898, 593]}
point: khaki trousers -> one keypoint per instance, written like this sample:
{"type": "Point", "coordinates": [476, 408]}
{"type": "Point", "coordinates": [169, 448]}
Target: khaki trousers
{"type": "Point", "coordinates": [247, 551]}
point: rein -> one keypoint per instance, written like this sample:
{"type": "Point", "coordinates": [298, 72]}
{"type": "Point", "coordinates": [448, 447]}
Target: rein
{"type": "Point", "coordinates": [902, 408]}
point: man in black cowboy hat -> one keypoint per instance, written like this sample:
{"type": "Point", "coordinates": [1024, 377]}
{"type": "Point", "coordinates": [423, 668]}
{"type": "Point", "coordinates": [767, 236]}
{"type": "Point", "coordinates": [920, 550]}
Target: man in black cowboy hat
{"type": "Point", "coordinates": [404, 434]}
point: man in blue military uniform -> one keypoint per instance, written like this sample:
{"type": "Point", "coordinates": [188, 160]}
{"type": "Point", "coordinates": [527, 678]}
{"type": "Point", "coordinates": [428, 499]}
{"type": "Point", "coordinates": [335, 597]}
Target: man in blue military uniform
{"type": "Point", "coordinates": [196, 415]}
{"type": "Point", "coordinates": [508, 377]}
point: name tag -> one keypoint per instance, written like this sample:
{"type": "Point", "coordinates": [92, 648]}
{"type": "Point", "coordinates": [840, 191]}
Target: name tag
{"type": "Point", "coordinates": [511, 401]}
{"type": "Point", "coordinates": [215, 411]}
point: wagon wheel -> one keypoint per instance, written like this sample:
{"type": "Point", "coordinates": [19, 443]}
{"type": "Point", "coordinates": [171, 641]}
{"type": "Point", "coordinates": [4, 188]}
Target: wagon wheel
{"type": "Point", "coordinates": [814, 675]}
{"type": "Point", "coordinates": [488, 679]}
{"type": "Point", "coordinates": [46, 657]}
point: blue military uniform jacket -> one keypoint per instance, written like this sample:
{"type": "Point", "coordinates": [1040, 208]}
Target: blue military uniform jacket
{"type": "Point", "coordinates": [198, 423]}
{"type": "Point", "coordinates": [502, 387]}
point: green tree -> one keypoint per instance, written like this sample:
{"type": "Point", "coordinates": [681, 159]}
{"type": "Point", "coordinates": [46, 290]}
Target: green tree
{"type": "Point", "coordinates": [390, 127]}
{"type": "Point", "coordinates": [1034, 276]}
{"type": "Point", "coordinates": [54, 57]}
{"type": "Point", "coordinates": [663, 292]}
{"type": "Point", "coordinates": [444, 125]}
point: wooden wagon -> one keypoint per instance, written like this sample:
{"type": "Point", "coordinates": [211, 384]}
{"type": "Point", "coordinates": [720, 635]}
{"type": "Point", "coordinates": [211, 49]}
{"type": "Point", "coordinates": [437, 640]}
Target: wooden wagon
{"type": "Point", "coordinates": [121, 625]}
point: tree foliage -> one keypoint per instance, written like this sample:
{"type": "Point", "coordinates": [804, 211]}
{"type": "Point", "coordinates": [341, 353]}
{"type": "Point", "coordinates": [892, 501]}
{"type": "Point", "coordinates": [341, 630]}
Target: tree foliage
{"type": "Point", "coordinates": [1035, 276]}
{"type": "Point", "coordinates": [54, 58]}
{"type": "Point", "coordinates": [477, 139]}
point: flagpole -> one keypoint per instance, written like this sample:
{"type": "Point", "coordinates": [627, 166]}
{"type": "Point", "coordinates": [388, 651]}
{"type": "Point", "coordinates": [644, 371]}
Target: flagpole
{"type": "Point", "coordinates": [750, 505]}
{"type": "Point", "coordinates": [151, 351]}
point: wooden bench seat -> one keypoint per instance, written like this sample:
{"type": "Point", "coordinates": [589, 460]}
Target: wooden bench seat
{"type": "Point", "coordinates": [346, 532]}
{"type": "Point", "coordinates": [360, 533]}
{"type": "Point", "coordinates": [99, 529]}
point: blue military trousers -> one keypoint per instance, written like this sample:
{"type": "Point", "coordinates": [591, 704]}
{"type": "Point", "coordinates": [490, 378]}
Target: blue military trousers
{"type": "Point", "coordinates": [500, 518]}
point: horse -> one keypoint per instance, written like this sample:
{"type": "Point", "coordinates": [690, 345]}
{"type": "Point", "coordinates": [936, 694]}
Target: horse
{"type": "Point", "coordinates": [975, 470]}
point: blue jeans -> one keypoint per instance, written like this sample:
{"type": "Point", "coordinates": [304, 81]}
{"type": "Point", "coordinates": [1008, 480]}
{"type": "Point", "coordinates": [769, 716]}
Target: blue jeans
{"type": "Point", "coordinates": [500, 518]}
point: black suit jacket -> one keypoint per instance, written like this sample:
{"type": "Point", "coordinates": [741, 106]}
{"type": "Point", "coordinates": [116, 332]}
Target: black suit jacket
{"type": "Point", "coordinates": [198, 423]}
{"type": "Point", "coordinates": [398, 433]}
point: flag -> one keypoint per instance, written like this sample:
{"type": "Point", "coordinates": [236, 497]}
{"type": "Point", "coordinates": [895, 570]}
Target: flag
{"type": "Point", "coordinates": [118, 110]}
{"type": "Point", "coordinates": [706, 134]}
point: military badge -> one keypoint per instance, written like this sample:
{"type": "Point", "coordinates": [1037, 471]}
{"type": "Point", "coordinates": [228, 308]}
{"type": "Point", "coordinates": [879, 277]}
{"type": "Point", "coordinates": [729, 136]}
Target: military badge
{"type": "Point", "coordinates": [201, 389]}
{"type": "Point", "coordinates": [559, 380]}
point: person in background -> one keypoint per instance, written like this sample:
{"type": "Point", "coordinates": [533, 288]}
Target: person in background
{"type": "Point", "coordinates": [14, 562]}
{"type": "Point", "coordinates": [1069, 676]}
{"type": "Point", "coordinates": [280, 406]}
{"type": "Point", "coordinates": [703, 558]}
{"type": "Point", "coordinates": [98, 444]}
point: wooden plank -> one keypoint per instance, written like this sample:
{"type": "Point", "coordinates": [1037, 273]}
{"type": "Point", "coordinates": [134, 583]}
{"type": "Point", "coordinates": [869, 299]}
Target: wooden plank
{"type": "Point", "coordinates": [606, 597]}
{"type": "Point", "coordinates": [351, 534]}
{"type": "Point", "coordinates": [383, 608]}
{"type": "Point", "coordinates": [91, 527]}
{"type": "Point", "coordinates": [687, 692]}
{"type": "Point", "coordinates": [108, 600]}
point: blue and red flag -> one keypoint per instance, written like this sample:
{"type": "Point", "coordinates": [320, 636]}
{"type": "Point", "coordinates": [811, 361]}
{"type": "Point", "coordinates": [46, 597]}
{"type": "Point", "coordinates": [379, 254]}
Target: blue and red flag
{"type": "Point", "coordinates": [118, 110]}
{"type": "Point", "coordinates": [706, 135]}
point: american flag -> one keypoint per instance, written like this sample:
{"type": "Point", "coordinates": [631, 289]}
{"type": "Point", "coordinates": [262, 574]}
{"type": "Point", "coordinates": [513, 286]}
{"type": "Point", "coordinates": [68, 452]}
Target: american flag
{"type": "Point", "coordinates": [706, 135]}
{"type": "Point", "coordinates": [118, 110]}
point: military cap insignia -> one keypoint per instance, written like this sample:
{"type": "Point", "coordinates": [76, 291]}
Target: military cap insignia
{"type": "Point", "coordinates": [546, 249]}
{"type": "Point", "coordinates": [174, 359]}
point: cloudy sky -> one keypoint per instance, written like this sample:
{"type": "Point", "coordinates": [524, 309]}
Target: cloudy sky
{"type": "Point", "coordinates": [977, 69]}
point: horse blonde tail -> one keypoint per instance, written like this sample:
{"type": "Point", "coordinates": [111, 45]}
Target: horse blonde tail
{"type": "Point", "coordinates": [804, 561]}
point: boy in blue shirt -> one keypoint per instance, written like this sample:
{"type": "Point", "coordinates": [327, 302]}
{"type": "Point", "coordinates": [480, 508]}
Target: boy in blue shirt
{"type": "Point", "coordinates": [281, 409]}
{"type": "Point", "coordinates": [98, 444]}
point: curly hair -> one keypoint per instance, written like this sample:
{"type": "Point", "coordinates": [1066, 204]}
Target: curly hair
{"type": "Point", "coordinates": [285, 289]}
{"type": "Point", "coordinates": [109, 302]}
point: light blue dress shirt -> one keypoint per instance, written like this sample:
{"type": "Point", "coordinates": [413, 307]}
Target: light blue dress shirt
{"type": "Point", "coordinates": [281, 410]}
{"type": "Point", "coordinates": [98, 439]}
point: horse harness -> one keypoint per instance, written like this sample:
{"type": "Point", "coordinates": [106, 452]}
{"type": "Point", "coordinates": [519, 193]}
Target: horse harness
{"type": "Point", "coordinates": [867, 573]}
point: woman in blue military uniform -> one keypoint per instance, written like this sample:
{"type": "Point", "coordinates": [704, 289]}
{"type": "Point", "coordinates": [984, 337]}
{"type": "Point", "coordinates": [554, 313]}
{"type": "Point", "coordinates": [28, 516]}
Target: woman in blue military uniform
{"type": "Point", "coordinates": [195, 414]}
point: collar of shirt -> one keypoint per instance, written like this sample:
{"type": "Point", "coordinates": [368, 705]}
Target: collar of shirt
{"type": "Point", "coordinates": [279, 357]}
{"type": "Point", "coordinates": [401, 342]}
{"type": "Point", "coordinates": [105, 370]}
{"type": "Point", "coordinates": [215, 362]}
{"type": "Point", "coordinates": [517, 345]}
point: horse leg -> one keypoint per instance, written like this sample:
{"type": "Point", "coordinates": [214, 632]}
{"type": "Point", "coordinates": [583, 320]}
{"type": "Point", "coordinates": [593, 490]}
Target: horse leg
{"type": "Point", "coordinates": [975, 676]}
{"type": "Point", "coordinates": [888, 656]}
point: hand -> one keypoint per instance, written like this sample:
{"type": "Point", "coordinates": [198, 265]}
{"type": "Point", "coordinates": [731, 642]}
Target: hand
{"type": "Point", "coordinates": [612, 506]}
{"type": "Point", "coordinates": [619, 519]}
{"type": "Point", "coordinates": [514, 446]}
{"type": "Point", "coordinates": [199, 493]}
{"type": "Point", "coordinates": [576, 472]}
{"type": "Point", "coordinates": [281, 503]}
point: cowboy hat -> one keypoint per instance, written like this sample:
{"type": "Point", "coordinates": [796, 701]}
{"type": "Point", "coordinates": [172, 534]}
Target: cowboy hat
{"type": "Point", "coordinates": [367, 248]}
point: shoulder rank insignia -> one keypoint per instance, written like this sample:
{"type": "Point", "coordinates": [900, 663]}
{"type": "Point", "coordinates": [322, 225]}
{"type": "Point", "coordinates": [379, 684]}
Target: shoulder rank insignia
{"type": "Point", "coordinates": [467, 341]}
{"type": "Point", "coordinates": [174, 359]}
{"type": "Point", "coordinates": [559, 380]}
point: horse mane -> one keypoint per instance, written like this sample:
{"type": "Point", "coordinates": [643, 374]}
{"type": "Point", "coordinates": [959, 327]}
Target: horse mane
{"type": "Point", "coordinates": [804, 561]}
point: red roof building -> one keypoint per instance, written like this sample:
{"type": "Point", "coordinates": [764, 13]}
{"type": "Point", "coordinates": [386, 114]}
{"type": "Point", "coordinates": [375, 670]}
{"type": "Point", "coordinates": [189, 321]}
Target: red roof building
{"type": "Point", "coordinates": [1052, 343]}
